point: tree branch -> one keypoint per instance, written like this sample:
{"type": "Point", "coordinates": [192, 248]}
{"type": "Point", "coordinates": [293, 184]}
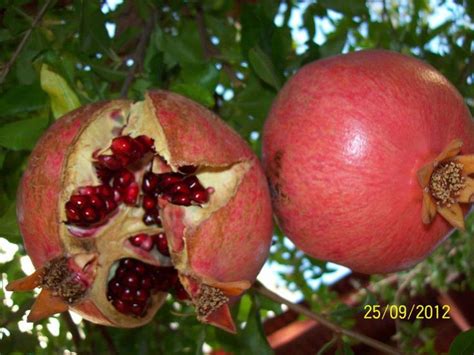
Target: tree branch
{"type": "Point", "coordinates": [212, 51]}
{"type": "Point", "coordinates": [108, 339]}
{"type": "Point", "coordinates": [25, 38]}
{"type": "Point", "coordinates": [258, 287]}
{"type": "Point", "coordinates": [139, 54]}
{"type": "Point", "coordinates": [76, 337]}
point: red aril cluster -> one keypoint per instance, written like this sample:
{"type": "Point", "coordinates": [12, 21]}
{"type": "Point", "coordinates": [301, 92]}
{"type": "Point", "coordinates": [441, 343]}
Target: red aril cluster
{"type": "Point", "coordinates": [134, 282]}
{"type": "Point", "coordinates": [91, 205]}
{"type": "Point", "coordinates": [147, 242]}
{"type": "Point", "coordinates": [113, 188]}
{"type": "Point", "coordinates": [180, 188]}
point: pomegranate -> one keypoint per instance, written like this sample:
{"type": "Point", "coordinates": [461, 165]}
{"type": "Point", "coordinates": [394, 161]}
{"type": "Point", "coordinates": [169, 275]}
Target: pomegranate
{"type": "Point", "coordinates": [361, 151]}
{"type": "Point", "coordinates": [122, 203]}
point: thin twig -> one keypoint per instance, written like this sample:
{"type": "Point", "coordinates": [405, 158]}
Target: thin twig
{"type": "Point", "coordinates": [25, 38]}
{"type": "Point", "coordinates": [212, 51]}
{"type": "Point", "coordinates": [138, 55]}
{"type": "Point", "coordinates": [108, 339]}
{"type": "Point", "coordinates": [398, 295]}
{"type": "Point", "coordinates": [325, 322]}
{"type": "Point", "coordinates": [76, 337]}
{"type": "Point", "coordinates": [386, 16]}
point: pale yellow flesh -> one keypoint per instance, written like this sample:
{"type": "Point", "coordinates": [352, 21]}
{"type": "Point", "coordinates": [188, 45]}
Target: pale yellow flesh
{"type": "Point", "coordinates": [109, 240]}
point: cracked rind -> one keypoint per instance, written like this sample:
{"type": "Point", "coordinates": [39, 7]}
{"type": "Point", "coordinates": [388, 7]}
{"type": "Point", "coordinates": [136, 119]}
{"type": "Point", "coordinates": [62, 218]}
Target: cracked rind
{"type": "Point", "coordinates": [162, 114]}
{"type": "Point", "coordinates": [41, 182]}
{"type": "Point", "coordinates": [230, 242]}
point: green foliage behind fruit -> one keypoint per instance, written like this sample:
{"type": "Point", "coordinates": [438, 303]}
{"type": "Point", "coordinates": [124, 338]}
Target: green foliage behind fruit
{"type": "Point", "coordinates": [232, 57]}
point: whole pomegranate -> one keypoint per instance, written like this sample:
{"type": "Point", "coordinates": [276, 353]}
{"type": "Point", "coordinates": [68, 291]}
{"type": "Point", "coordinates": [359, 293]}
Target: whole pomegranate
{"type": "Point", "coordinates": [122, 203]}
{"type": "Point", "coordinates": [361, 151]}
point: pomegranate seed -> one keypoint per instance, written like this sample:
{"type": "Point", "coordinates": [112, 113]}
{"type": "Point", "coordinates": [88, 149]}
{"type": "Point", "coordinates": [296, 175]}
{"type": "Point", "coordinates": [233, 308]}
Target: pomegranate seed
{"type": "Point", "coordinates": [161, 243]}
{"type": "Point", "coordinates": [110, 162]}
{"type": "Point", "coordinates": [72, 213]}
{"type": "Point", "coordinates": [115, 287]}
{"type": "Point", "coordinates": [126, 295]}
{"type": "Point", "coordinates": [149, 218]}
{"type": "Point", "coordinates": [90, 214]}
{"type": "Point", "coordinates": [180, 292]}
{"type": "Point", "coordinates": [165, 279]}
{"type": "Point", "coordinates": [131, 194]}
{"type": "Point", "coordinates": [138, 239]}
{"type": "Point", "coordinates": [87, 190]}
{"type": "Point", "coordinates": [120, 272]}
{"type": "Point", "coordinates": [147, 244]}
{"type": "Point", "coordinates": [110, 205]}
{"type": "Point", "coordinates": [141, 295]}
{"type": "Point", "coordinates": [124, 145]}
{"type": "Point", "coordinates": [179, 187]}
{"type": "Point", "coordinates": [150, 182]}
{"type": "Point", "coordinates": [130, 279]}
{"type": "Point", "coordinates": [147, 282]}
{"type": "Point", "coordinates": [97, 202]}
{"type": "Point", "coordinates": [187, 169]}
{"type": "Point", "coordinates": [79, 201]}
{"type": "Point", "coordinates": [200, 196]}
{"type": "Point", "coordinates": [103, 173]}
{"type": "Point", "coordinates": [146, 141]}
{"type": "Point", "coordinates": [105, 191]}
{"type": "Point", "coordinates": [192, 182]}
{"type": "Point", "coordinates": [140, 268]}
{"type": "Point", "coordinates": [169, 179]}
{"type": "Point", "coordinates": [181, 199]}
{"type": "Point", "coordinates": [137, 309]}
{"type": "Point", "coordinates": [127, 263]}
{"type": "Point", "coordinates": [149, 202]}
{"type": "Point", "coordinates": [123, 178]}
{"type": "Point", "coordinates": [121, 306]}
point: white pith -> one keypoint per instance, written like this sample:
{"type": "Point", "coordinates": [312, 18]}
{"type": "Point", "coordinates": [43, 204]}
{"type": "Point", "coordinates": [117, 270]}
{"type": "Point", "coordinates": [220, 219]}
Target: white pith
{"type": "Point", "coordinates": [79, 171]}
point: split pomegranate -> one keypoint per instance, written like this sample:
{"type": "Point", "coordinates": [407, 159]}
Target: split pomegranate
{"type": "Point", "coordinates": [361, 151]}
{"type": "Point", "coordinates": [122, 203]}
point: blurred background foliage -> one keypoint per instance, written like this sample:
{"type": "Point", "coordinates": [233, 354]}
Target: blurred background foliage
{"type": "Point", "coordinates": [232, 57]}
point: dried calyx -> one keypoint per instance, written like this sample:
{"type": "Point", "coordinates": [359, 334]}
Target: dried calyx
{"type": "Point", "coordinates": [133, 212]}
{"type": "Point", "coordinates": [446, 184]}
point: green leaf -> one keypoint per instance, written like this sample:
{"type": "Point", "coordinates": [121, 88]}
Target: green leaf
{"type": "Point", "coordinates": [93, 34]}
{"type": "Point", "coordinates": [185, 47]}
{"type": "Point", "coordinates": [205, 75]}
{"type": "Point", "coordinates": [22, 134]}
{"type": "Point", "coordinates": [21, 99]}
{"type": "Point", "coordinates": [263, 67]}
{"type": "Point", "coordinates": [5, 35]}
{"type": "Point", "coordinates": [8, 224]}
{"type": "Point", "coordinates": [353, 7]}
{"type": "Point", "coordinates": [463, 344]}
{"type": "Point", "coordinates": [196, 93]}
{"type": "Point", "coordinates": [63, 98]}
{"type": "Point", "coordinates": [253, 337]}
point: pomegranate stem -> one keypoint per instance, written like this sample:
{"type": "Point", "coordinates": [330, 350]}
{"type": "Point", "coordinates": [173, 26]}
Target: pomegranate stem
{"type": "Point", "coordinates": [261, 289]}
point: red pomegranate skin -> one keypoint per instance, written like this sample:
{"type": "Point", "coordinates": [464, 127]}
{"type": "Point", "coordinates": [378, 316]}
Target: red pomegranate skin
{"type": "Point", "coordinates": [231, 245]}
{"type": "Point", "coordinates": [41, 184]}
{"type": "Point", "coordinates": [341, 148]}
{"type": "Point", "coordinates": [40, 188]}
{"type": "Point", "coordinates": [233, 231]}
